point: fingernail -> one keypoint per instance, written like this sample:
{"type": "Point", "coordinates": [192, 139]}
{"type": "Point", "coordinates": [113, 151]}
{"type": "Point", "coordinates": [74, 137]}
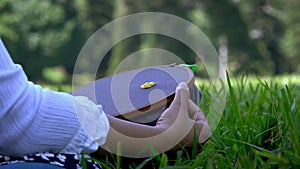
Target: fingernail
{"type": "Point", "coordinates": [182, 85]}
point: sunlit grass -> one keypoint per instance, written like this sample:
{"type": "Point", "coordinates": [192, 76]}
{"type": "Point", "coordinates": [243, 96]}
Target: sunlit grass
{"type": "Point", "coordinates": [280, 80]}
{"type": "Point", "coordinates": [260, 125]}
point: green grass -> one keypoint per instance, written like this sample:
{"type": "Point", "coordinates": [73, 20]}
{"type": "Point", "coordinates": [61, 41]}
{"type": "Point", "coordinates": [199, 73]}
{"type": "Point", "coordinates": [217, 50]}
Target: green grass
{"type": "Point", "coordinates": [259, 128]}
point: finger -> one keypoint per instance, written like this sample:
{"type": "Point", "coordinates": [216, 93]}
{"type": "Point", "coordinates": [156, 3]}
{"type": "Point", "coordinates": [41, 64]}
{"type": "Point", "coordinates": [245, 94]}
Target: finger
{"type": "Point", "coordinates": [181, 97]}
{"type": "Point", "coordinates": [179, 106]}
{"type": "Point", "coordinates": [193, 109]}
{"type": "Point", "coordinates": [202, 131]}
{"type": "Point", "coordinates": [205, 132]}
{"type": "Point", "coordinates": [203, 128]}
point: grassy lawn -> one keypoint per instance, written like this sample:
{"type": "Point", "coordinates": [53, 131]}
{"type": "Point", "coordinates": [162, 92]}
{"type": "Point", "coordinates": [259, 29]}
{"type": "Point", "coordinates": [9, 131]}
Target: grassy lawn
{"type": "Point", "coordinates": [259, 128]}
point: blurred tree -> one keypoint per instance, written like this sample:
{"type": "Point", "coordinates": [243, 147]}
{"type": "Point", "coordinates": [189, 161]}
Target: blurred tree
{"type": "Point", "coordinates": [50, 32]}
{"type": "Point", "coordinates": [262, 34]}
{"type": "Point", "coordinates": [40, 34]}
{"type": "Point", "coordinates": [145, 41]}
{"type": "Point", "coordinates": [291, 40]}
{"type": "Point", "coordinates": [121, 50]}
{"type": "Point", "coordinates": [7, 21]}
{"type": "Point", "coordinates": [91, 16]}
{"type": "Point", "coordinates": [178, 8]}
{"type": "Point", "coordinates": [266, 28]}
{"type": "Point", "coordinates": [227, 20]}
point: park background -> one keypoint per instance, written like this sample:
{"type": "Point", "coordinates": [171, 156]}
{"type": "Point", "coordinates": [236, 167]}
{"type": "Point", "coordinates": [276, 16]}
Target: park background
{"type": "Point", "coordinates": [260, 125]}
{"type": "Point", "coordinates": [262, 36]}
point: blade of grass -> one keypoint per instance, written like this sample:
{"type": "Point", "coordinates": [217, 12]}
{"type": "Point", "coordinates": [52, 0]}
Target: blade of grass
{"type": "Point", "coordinates": [272, 156]}
{"type": "Point", "coordinates": [232, 96]}
{"type": "Point", "coordinates": [163, 161]}
{"type": "Point", "coordinates": [195, 145]}
{"type": "Point", "coordinates": [144, 163]}
{"type": "Point", "coordinates": [103, 164]}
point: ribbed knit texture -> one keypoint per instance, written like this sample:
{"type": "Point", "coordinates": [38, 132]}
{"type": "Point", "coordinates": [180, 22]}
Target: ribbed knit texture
{"type": "Point", "coordinates": [33, 119]}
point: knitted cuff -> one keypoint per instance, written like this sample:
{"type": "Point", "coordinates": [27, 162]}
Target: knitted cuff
{"type": "Point", "coordinates": [61, 128]}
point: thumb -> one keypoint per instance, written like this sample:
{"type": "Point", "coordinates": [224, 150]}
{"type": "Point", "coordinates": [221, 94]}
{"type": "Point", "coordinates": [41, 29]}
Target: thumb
{"type": "Point", "coordinates": [179, 106]}
{"type": "Point", "coordinates": [181, 97]}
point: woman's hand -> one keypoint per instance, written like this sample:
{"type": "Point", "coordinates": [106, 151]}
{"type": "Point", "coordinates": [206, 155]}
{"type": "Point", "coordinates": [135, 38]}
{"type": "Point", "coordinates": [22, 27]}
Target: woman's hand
{"type": "Point", "coordinates": [185, 110]}
{"type": "Point", "coordinates": [176, 125]}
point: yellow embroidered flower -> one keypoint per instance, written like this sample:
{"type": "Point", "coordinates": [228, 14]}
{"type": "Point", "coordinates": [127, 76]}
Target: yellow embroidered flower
{"type": "Point", "coordinates": [147, 85]}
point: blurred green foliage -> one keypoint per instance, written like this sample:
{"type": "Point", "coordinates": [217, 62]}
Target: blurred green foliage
{"type": "Point", "coordinates": [263, 36]}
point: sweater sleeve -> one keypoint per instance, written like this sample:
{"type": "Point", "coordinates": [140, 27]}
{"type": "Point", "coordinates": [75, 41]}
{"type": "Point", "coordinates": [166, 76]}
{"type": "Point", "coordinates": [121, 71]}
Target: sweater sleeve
{"type": "Point", "coordinates": [33, 119]}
